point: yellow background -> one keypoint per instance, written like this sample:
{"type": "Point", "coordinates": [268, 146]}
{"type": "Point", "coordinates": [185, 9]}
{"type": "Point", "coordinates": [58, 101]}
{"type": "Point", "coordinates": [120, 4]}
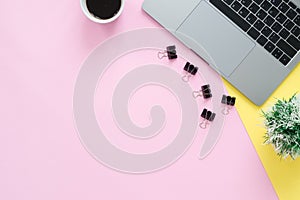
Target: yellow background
{"type": "Point", "coordinates": [283, 173]}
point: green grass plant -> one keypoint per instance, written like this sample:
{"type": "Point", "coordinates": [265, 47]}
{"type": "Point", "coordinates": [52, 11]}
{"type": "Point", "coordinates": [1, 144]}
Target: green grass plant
{"type": "Point", "coordinates": [282, 123]}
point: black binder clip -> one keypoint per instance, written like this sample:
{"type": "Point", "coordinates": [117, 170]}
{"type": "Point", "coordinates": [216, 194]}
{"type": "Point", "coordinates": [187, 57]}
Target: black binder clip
{"type": "Point", "coordinates": [170, 52]}
{"type": "Point", "coordinates": [190, 70]}
{"type": "Point", "coordinates": [229, 102]}
{"type": "Point", "coordinates": [205, 92]}
{"type": "Point", "coordinates": [207, 116]}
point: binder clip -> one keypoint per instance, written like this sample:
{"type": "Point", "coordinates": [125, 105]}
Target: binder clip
{"type": "Point", "coordinates": [207, 116]}
{"type": "Point", "coordinates": [170, 52]}
{"type": "Point", "coordinates": [205, 92]}
{"type": "Point", "coordinates": [229, 102]}
{"type": "Point", "coordinates": [190, 70]}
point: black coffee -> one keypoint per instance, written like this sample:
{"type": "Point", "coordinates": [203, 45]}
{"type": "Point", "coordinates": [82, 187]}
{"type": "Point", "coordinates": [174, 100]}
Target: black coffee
{"type": "Point", "coordinates": [103, 9]}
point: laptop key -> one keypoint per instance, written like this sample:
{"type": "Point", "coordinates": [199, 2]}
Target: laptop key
{"type": "Point", "coordinates": [288, 24]}
{"type": "Point", "coordinates": [239, 21]}
{"type": "Point", "coordinates": [275, 2]}
{"type": "Point", "coordinates": [284, 59]}
{"type": "Point", "coordinates": [274, 38]}
{"type": "Point", "coordinates": [296, 31]}
{"type": "Point", "coordinates": [284, 33]}
{"type": "Point", "coordinates": [291, 14]}
{"type": "Point", "coordinates": [283, 7]}
{"type": "Point", "coordinates": [259, 25]}
{"type": "Point", "coordinates": [262, 40]}
{"type": "Point", "coordinates": [277, 53]}
{"type": "Point", "coordinates": [244, 12]}
{"type": "Point", "coordinates": [294, 42]}
{"type": "Point", "coordinates": [253, 33]}
{"type": "Point", "coordinates": [258, 1]}
{"type": "Point", "coordinates": [269, 20]}
{"type": "Point", "coordinates": [298, 10]}
{"type": "Point", "coordinates": [251, 18]}
{"type": "Point", "coordinates": [276, 27]}
{"type": "Point", "coordinates": [266, 5]}
{"type": "Point", "coordinates": [236, 5]}
{"type": "Point", "coordinates": [228, 1]}
{"type": "Point", "coordinates": [269, 47]}
{"type": "Point", "coordinates": [261, 14]}
{"type": "Point", "coordinates": [266, 31]}
{"type": "Point", "coordinates": [254, 8]}
{"type": "Point", "coordinates": [292, 5]}
{"type": "Point", "coordinates": [246, 3]}
{"type": "Point", "coordinates": [286, 48]}
{"type": "Point", "coordinates": [273, 12]}
{"type": "Point", "coordinates": [297, 20]}
{"type": "Point", "coordinates": [281, 18]}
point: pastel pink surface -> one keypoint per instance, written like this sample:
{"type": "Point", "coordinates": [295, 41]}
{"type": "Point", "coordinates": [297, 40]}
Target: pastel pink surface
{"type": "Point", "coordinates": [43, 44]}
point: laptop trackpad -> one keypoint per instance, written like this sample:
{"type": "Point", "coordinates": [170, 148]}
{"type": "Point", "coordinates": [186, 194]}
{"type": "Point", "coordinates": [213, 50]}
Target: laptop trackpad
{"type": "Point", "coordinates": [225, 44]}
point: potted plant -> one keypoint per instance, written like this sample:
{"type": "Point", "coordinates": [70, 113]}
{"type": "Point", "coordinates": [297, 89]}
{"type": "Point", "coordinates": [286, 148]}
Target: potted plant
{"type": "Point", "coordinates": [282, 123]}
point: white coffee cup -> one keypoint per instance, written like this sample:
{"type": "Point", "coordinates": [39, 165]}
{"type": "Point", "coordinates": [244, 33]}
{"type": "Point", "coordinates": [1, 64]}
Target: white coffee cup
{"type": "Point", "coordinates": [96, 19]}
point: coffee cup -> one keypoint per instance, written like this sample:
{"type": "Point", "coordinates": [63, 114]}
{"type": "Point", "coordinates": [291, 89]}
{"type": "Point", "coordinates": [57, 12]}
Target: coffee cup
{"type": "Point", "coordinates": [102, 11]}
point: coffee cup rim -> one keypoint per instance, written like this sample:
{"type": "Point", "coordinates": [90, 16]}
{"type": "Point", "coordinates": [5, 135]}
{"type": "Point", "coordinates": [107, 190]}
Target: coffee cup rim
{"type": "Point", "coordinates": [96, 19]}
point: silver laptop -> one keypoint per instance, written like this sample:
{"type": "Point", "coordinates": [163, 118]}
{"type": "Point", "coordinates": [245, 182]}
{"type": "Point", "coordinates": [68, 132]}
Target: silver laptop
{"type": "Point", "coordinates": [254, 44]}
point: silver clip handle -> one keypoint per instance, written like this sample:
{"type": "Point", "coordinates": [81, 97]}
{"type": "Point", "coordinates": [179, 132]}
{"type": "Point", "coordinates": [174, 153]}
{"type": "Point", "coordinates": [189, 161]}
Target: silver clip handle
{"type": "Point", "coordinates": [161, 54]}
{"type": "Point", "coordinates": [186, 78]}
{"type": "Point", "coordinates": [203, 124]}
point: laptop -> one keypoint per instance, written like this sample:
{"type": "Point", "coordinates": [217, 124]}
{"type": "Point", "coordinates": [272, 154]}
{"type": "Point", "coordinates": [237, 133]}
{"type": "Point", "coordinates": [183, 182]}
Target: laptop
{"type": "Point", "coordinates": [254, 44]}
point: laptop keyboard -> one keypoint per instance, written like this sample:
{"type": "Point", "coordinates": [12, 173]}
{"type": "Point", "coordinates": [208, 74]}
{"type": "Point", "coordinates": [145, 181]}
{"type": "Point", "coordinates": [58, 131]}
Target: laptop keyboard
{"type": "Point", "coordinates": [274, 24]}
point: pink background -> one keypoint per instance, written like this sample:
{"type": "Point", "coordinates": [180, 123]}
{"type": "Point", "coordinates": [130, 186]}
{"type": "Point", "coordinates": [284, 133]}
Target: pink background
{"type": "Point", "coordinates": [43, 44]}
